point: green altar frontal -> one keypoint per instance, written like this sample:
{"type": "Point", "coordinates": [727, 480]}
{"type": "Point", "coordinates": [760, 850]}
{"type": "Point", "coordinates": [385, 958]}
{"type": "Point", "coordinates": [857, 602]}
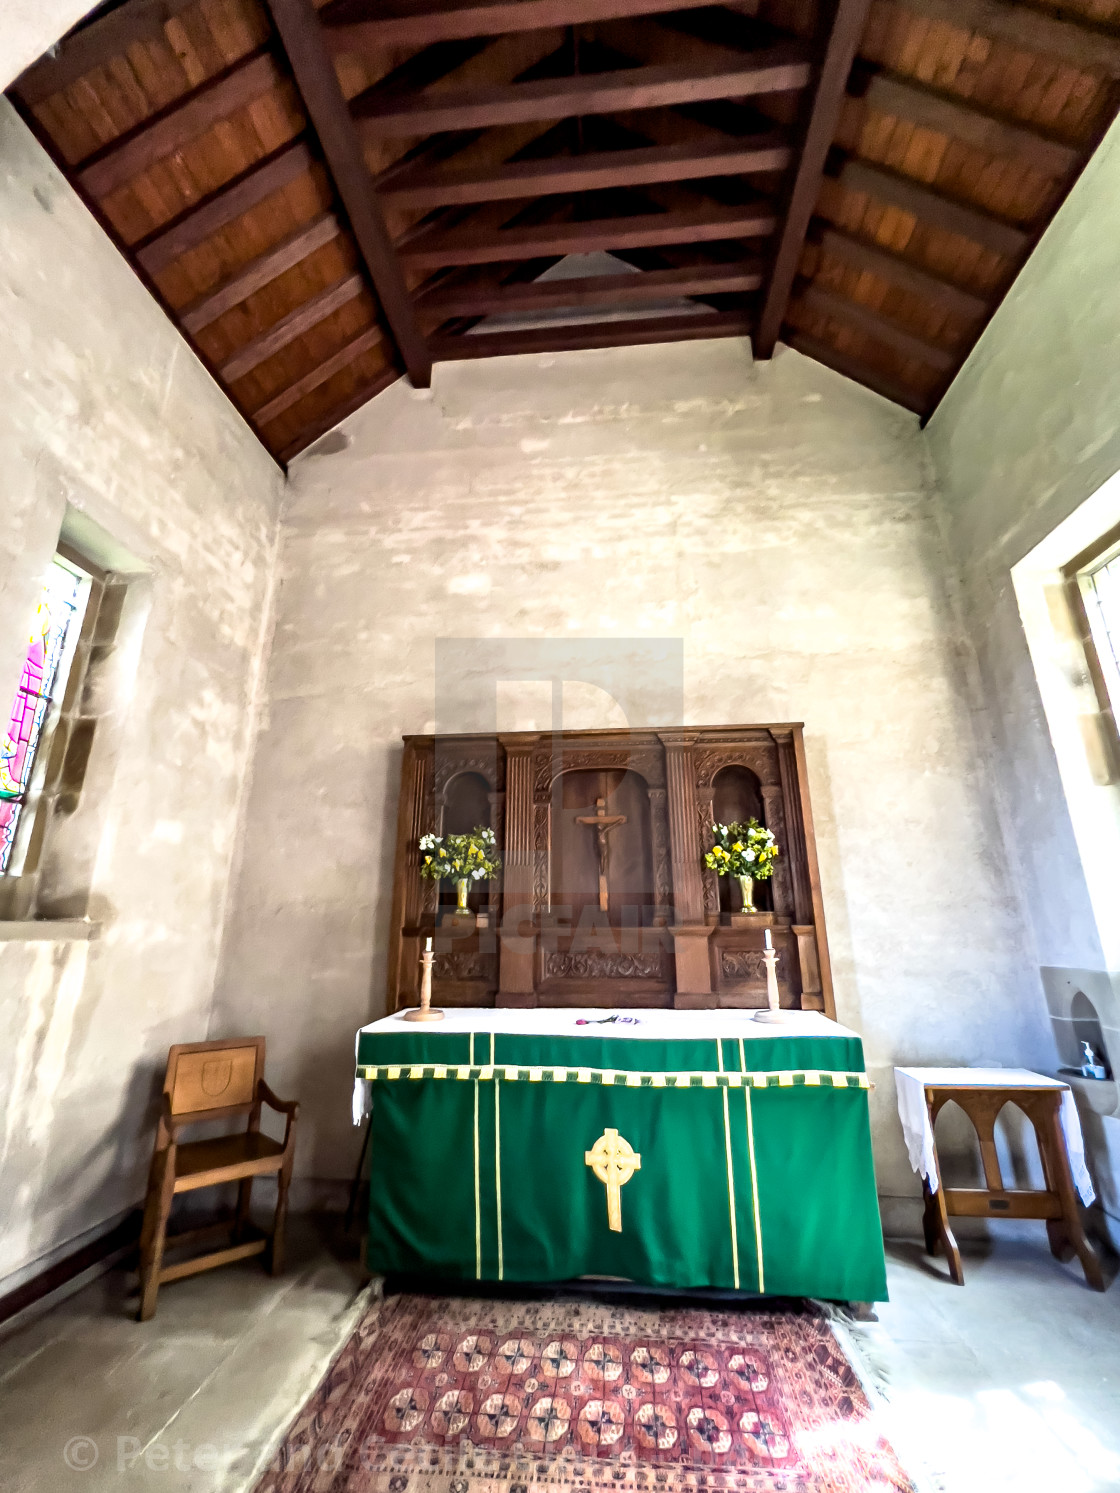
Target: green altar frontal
{"type": "Point", "coordinates": [518, 1146]}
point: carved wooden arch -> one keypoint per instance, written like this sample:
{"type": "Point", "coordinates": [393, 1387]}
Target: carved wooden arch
{"type": "Point", "coordinates": [760, 757]}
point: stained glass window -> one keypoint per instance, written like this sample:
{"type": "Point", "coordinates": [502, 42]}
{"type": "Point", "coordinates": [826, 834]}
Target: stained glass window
{"type": "Point", "coordinates": [1100, 586]}
{"type": "Point", "coordinates": [50, 649]}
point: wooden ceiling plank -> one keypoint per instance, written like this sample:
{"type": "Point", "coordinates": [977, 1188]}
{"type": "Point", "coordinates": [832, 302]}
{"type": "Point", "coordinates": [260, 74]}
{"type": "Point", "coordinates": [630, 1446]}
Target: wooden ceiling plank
{"type": "Point", "coordinates": [95, 44]}
{"type": "Point", "coordinates": [864, 319]}
{"type": "Point", "coordinates": [776, 70]}
{"type": "Point", "coordinates": [593, 172]}
{"type": "Point", "coordinates": [168, 131]}
{"type": "Point", "coordinates": [284, 401]}
{"type": "Point", "coordinates": [318, 427]}
{"type": "Point", "coordinates": [223, 206]}
{"type": "Point", "coordinates": [462, 246]}
{"type": "Point", "coordinates": [592, 335]}
{"type": "Point", "coordinates": [398, 24]}
{"type": "Point", "coordinates": [848, 20]}
{"type": "Point", "coordinates": [933, 208]}
{"type": "Point", "coordinates": [857, 370]}
{"type": "Point", "coordinates": [897, 271]}
{"type": "Point", "coordinates": [593, 290]}
{"type": "Point", "coordinates": [302, 35]}
{"type": "Point", "coordinates": [261, 271]}
{"type": "Point", "coordinates": [905, 98]}
{"type": "Point", "coordinates": [1027, 29]}
{"type": "Point", "coordinates": [317, 309]}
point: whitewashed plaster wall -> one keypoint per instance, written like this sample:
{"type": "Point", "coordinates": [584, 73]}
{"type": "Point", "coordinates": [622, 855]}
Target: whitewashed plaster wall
{"type": "Point", "coordinates": [104, 408]}
{"type": "Point", "coordinates": [1029, 430]}
{"type": "Point", "coordinates": [29, 27]}
{"type": "Point", "coordinates": [783, 523]}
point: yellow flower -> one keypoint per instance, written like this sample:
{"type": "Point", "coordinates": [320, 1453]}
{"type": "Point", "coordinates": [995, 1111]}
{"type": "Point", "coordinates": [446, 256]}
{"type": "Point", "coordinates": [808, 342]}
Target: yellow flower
{"type": "Point", "coordinates": [738, 845]}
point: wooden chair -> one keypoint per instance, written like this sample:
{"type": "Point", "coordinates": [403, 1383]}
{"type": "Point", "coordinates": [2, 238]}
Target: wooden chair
{"type": "Point", "coordinates": [208, 1081]}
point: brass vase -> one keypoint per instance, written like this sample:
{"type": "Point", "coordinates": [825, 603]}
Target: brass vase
{"type": "Point", "coordinates": [746, 889]}
{"type": "Point", "coordinates": [461, 896]}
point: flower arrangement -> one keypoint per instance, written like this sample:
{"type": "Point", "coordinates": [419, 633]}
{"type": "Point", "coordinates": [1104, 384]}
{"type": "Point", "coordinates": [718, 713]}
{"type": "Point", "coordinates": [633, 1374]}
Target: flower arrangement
{"type": "Point", "coordinates": [745, 851]}
{"type": "Point", "coordinates": [460, 858]}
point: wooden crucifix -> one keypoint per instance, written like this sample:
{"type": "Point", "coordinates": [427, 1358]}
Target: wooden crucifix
{"type": "Point", "coordinates": [603, 823]}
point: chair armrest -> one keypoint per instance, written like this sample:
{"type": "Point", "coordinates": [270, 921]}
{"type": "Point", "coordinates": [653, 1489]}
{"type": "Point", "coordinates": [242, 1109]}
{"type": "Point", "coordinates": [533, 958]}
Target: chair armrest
{"type": "Point", "coordinates": [281, 1106]}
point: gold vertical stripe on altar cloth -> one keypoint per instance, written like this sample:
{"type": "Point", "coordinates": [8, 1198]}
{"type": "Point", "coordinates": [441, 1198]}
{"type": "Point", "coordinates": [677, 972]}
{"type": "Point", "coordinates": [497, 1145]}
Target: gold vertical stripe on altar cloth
{"type": "Point", "coordinates": [730, 1172]}
{"type": "Point", "coordinates": [498, 1164]}
{"type": "Point", "coordinates": [477, 1193]}
{"type": "Point", "coordinates": [754, 1171]}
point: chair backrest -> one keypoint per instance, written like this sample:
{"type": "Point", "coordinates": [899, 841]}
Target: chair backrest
{"type": "Point", "coordinates": [212, 1079]}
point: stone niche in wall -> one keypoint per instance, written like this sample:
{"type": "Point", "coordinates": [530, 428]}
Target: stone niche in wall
{"type": "Point", "coordinates": [604, 899]}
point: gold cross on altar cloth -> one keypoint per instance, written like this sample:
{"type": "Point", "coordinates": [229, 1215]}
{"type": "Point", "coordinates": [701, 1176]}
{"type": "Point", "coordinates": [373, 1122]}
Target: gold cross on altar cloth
{"type": "Point", "coordinates": [602, 822]}
{"type": "Point", "coordinates": [614, 1161]}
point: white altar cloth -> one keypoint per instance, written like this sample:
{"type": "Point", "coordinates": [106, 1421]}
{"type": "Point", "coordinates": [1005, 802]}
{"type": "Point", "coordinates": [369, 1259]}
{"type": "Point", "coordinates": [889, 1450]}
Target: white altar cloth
{"type": "Point", "coordinates": [913, 1112]}
{"type": "Point", "coordinates": [563, 1021]}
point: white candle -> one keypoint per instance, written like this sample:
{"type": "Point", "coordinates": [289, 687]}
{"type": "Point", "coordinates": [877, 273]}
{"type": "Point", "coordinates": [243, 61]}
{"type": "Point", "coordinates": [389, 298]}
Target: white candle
{"type": "Point", "coordinates": [428, 946]}
{"type": "Point", "coordinates": [769, 940]}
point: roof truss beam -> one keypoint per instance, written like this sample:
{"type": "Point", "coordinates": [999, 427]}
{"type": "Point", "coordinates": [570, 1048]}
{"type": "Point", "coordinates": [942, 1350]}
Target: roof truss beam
{"type": "Point", "coordinates": [594, 172]}
{"type": "Point", "coordinates": [384, 115]}
{"type": "Point", "coordinates": [592, 290]}
{"type": "Point", "coordinates": [688, 328]}
{"type": "Point", "coordinates": [356, 27]}
{"type": "Point", "coordinates": [840, 45]}
{"type": "Point", "coordinates": [302, 36]}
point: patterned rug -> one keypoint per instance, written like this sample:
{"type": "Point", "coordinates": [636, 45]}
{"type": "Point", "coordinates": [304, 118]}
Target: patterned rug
{"type": "Point", "coordinates": [438, 1395]}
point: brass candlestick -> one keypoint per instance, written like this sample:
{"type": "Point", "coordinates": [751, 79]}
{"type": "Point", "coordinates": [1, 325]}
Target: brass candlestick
{"type": "Point", "coordinates": [773, 1010]}
{"type": "Point", "coordinates": [424, 1012]}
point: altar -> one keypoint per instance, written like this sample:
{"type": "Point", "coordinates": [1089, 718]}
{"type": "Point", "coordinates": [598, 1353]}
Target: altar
{"type": "Point", "coordinates": [671, 1148]}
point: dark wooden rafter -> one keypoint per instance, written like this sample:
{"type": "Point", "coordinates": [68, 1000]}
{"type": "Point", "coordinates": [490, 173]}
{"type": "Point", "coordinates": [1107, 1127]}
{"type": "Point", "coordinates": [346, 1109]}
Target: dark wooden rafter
{"type": "Point", "coordinates": [881, 328]}
{"type": "Point", "coordinates": [596, 171]}
{"type": "Point", "coordinates": [301, 320]}
{"type": "Point", "coordinates": [897, 271]}
{"type": "Point", "coordinates": [266, 267]}
{"type": "Point", "coordinates": [273, 408]}
{"type": "Point", "coordinates": [935, 208]}
{"type": "Point", "coordinates": [161, 135]}
{"type": "Point", "coordinates": [779, 69]}
{"type": "Point", "coordinates": [1030, 28]}
{"type": "Point", "coordinates": [398, 24]}
{"type": "Point", "coordinates": [848, 19]}
{"type": "Point", "coordinates": [303, 41]}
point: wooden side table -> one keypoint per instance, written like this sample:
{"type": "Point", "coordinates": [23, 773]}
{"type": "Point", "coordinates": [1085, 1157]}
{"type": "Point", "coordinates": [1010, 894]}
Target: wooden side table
{"type": "Point", "coordinates": [981, 1094]}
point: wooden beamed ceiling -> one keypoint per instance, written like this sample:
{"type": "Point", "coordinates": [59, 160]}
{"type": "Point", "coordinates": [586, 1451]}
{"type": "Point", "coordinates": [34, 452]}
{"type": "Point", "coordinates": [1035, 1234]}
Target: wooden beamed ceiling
{"type": "Point", "coordinates": [324, 197]}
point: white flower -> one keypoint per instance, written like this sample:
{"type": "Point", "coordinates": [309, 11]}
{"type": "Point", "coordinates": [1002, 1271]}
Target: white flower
{"type": "Point", "coordinates": [749, 855]}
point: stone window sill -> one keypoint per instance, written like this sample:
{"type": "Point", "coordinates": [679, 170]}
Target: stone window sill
{"type": "Point", "coordinates": [47, 930]}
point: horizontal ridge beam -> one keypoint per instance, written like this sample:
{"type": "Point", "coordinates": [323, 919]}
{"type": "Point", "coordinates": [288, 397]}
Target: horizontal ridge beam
{"type": "Point", "coordinates": [446, 186]}
{"type": "Point", "coordinates": [592, 290]}
{"type": "Point", "coordinates": [775, 70]}
{"type": "Point", "coordinates": [591, 335]}
{"type": "Point", "coordinates": [460, 246]}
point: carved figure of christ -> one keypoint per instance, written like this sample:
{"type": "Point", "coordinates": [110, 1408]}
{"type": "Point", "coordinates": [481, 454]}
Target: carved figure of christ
{"type": "Point", "coordinates": [603, 823]}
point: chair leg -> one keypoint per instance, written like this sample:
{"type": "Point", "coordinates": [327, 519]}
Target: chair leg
{"type": "Point", "coordinates": [244, 1198]}
{"type": "Point", "coordinates": [157, 1211]}
{"type": "Point", "coordinates": [276, 1255]}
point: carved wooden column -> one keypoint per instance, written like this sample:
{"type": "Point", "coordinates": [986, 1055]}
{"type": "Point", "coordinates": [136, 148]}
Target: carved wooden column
{"type": "Point", "coordinates": [813, 997]}
{"type": "Point", "coordinates": [408, 891]}
{"type": "Point", "coordinates": [690, 932]}
{"type": "Point", "coordinates": [517, 945]}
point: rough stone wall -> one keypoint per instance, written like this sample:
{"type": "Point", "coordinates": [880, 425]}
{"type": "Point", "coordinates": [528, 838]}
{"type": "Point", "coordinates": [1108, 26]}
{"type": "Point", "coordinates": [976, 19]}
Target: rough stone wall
{"type": "Point", "coordinates": [103, 407]}
{"type": "Point", "coordinates": [782, 522]}
{"type": "Point", "coordinates": [1027, 433]}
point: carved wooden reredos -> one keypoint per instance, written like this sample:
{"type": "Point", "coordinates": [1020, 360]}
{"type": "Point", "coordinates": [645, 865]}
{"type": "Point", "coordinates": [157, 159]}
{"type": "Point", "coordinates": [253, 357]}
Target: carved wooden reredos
{"type": "Point", "coordinates": [604, 899]}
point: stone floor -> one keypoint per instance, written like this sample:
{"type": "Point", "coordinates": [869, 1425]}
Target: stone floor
{"type": "Point", "coordinates": [1012, 1383]}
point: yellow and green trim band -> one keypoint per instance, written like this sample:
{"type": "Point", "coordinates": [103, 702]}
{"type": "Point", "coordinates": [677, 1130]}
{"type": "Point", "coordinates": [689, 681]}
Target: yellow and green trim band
{"type": "Point", "coordinates": [784, 1078]}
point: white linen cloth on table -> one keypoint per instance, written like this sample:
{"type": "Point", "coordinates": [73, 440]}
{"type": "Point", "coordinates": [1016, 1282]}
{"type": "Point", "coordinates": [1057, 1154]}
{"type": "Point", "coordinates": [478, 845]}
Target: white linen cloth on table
{"type": "Point", "coordinates": [562, 1021]}
{"type": "Point", "coordinates": [912, 1111]}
